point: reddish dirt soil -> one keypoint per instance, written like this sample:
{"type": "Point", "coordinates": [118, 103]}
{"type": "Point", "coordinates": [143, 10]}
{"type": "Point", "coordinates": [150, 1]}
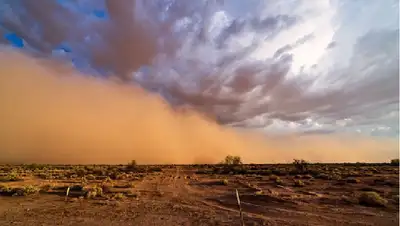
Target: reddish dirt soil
{"type": "Point", "coordinates": [191, 195]}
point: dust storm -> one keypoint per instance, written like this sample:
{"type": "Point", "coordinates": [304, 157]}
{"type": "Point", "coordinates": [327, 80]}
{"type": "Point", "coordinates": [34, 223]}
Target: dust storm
{"type": "Point", "coordinates": [51, 113]}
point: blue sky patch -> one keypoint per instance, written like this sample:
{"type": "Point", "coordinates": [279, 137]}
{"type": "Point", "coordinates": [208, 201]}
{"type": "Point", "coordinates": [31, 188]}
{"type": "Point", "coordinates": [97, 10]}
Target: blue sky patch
{"type": "Point", "coordinates": [14, 40]}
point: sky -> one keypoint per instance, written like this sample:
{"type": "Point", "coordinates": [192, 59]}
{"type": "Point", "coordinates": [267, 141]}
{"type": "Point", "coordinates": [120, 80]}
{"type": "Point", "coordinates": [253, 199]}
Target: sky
{"type": "Point", "coordinates": [276, 67]}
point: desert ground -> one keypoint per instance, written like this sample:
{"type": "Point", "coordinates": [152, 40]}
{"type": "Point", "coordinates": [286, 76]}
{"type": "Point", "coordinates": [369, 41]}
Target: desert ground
{"type": "Point", "coordinates": [279, 194]}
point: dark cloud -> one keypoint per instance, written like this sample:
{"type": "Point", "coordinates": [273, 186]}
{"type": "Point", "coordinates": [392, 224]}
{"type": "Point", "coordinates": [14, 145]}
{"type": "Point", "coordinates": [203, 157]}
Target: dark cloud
{"type": "Point", "coordinates": [129, 44]}
{"type": "Point", "coordinates": [213, 72]}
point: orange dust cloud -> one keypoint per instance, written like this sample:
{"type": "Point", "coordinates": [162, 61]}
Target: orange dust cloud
{"type": "Point", "coordinates": [50, 113]}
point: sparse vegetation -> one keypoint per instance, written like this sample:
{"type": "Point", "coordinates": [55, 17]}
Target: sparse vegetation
{"type": "Point", "coordinates": [370, 198]}
{"type": "Point", "coordinates": [29, 190]}
{"type": "Point", "coordinates": [394, 162]}
{"type": "Point", "coordinates": [18, 191]}
{"type": "Point", "coordinates": [300, 165]}
{"type": "Point", "coordinates": [225, 182]}
{"type": "Point", "coordinates": [132, 165]}
{"type": "Point", "coordinates": [299, 183]}
{"type": "Point", "coordinates": [5, 190]}
{"type": "Point", "coordinates": [118, 196]}
{"type": "Point", "coordinates": [12, 176]}
{"type": "Point", "coordinates": [93, 192]}
{"type": "Point", "coordinates": [343, 185]}
{"type": "Point", "coordinates": [274, 178]}
{"type": "Point", "coordinates": [232, 160]}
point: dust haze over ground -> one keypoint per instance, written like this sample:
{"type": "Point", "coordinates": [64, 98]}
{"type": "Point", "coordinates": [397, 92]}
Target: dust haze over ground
{"type": "Point", "coordinates": [50, 113]}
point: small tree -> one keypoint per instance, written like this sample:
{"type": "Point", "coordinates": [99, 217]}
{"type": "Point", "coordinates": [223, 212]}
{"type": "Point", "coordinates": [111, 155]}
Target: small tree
{"type": "Point", "coordinates": [394, 162]}
{"type": "Point", "coordinates": [300, 165]}
{"type": "Point", "coordinates": [132, 165]}
{"type": "Point", "coordinates": [232, 160]}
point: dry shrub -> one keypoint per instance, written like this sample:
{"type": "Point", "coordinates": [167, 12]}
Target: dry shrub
{"type": "Point", "coordinates": [299, 183]}
{"type": "Point", "coordinates": [371, 198]}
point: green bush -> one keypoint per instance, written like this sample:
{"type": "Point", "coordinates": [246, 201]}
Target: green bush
{"type": "Point", "coordinates": [96, 191]}
{"type": "Point", "coordinates": [279, 181]}
{"type": "Point", "coordinates": [118, 196]}
{"type": "Point", "coordinates": [371, 198]}
{"type": "Point", "coordinates": [12, 176]}
{"type": "Point", "coordinates": [298, 183]}
{"type": "Point", "coordinates": [276, 179]}
{"type": "Point", "coordinates": [30, 190]}
{"type": "Point", "coordinates": [5, 190]}
{"type": "Point", "coordinates": [20, 191]}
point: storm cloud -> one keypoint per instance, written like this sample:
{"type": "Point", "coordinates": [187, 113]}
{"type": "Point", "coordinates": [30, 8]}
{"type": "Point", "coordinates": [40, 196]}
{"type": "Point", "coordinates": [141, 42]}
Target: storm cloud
{"type": "Point", "coordinates": [299, 66]}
